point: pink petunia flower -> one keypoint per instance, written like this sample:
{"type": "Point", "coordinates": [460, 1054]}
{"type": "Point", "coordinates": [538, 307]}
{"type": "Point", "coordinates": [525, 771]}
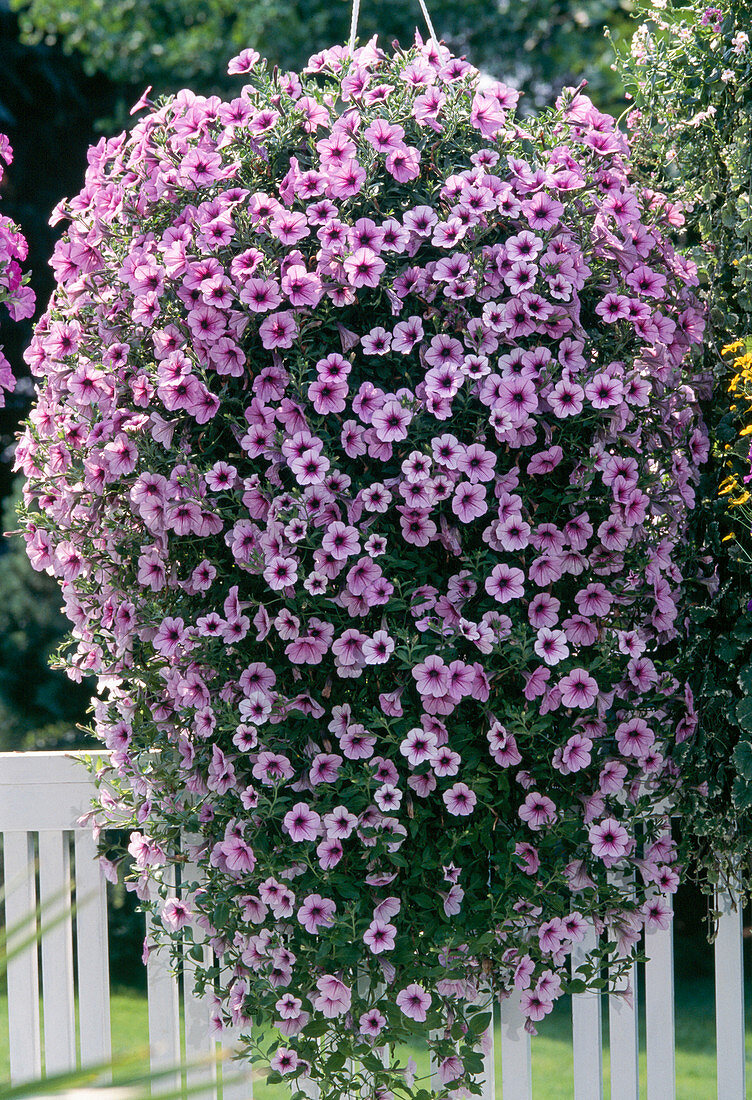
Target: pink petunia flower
{"type": "Point", "coordinates": [418, 746]}
{"type": "Point", "coordinates": [431, 677]}
{"type": "Point", "coordinates": [469, 501]}
{"type": "Point", "coordinates": [278, 330]}
{"type": "Point", "coordinates": [324, 768]}
{"type": "Point", "coordinates": [171, 637]}
{"type": "Point", "coordinates": [414, 1002]}
{"type": "Point", "coordinates": [542, 211]}
{"type": "Point", "coordinates": [316, 912]}
{"type": "Point", "coordinates": [634, 737]}
{"type": "Point", "coordinates": [302, 287]}
{"type": "Point", "coordinates": [657, 914]}
{"type": "Point", "coordinates": [328, 396]}
{"type": "Point", "coordinates": [281, 572]}
{"type": "Point", "coordinates": [578, 689]}
{"type": "Point", "coordinates": [288, 226]}
{"type": "Point", "coordinates": [302, 823]}
{"type": "Point", "coordinates": [364, 268]}
{"type": "Point", "coordinates": [285, 1060]}
{"type": "Point", "coordinates": [340, 823]}
{"type": "Point", "coordinates": [535, 1004]}
{"type": "Point", "coordinates": [503, 746]}
{"type": "Point", "coordinates": [529, 857]}
{"type": "Point", "coordinates": [566, 398]}
{"type": "Point", "coordinates": [460, 800]}
{"type": "Point", "coordinates": [341, 541]}
{"type": "Point", "coordinates": [378, 649]}
{"type": "Point", "coordinates": [345, 180]}
{"type": "Point", "coordinates": [334, 997]}
{"type": "Point", "coordinates": [604, 391]}
{"type": "Point", "coordinates": [551, 645]}
{"type": "Point", "coordinates": [608, 838]}
{"type": "Point", "coordinates": [357, 743]}
{"type": "Point", "coordinates": [380, 936]}
{"type": "Point", "coordinates": [537, 810]}
{"type": "Point", "coordinates": [403, 163]}
{"type": "Point", "coordinates": [243, 62]}
{"type": "Point", "coordinates": [420, 220]}
{"type": "Point", "coordinates": [505, 583]}
{"type": "Point", "coordinates": [391, 422]}
{"type": "Point", "coordinates": [371, 1023]}
{"type": "Point", "coordinates": [175, 914]}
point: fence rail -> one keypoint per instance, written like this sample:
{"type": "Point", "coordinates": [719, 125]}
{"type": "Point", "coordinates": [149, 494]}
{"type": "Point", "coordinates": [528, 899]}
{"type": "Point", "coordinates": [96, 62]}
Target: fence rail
{"type": "Point", "coordinates": [41, 797]}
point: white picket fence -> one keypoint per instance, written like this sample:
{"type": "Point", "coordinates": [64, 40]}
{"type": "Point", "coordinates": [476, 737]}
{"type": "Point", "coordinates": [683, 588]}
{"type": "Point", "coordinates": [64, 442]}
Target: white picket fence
{"type": "Point", "coordinates": [41, 797]}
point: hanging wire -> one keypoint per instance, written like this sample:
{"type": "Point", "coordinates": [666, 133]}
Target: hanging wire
{"type": "Point", "coordinates": [354, 24]}
{"type": "Point", "coordinates": [429, 24]}
{"type": "Point", "coordinates": [356, 13]}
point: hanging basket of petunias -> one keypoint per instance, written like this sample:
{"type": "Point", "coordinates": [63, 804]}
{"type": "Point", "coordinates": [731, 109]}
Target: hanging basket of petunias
{"type": "Point", "coordinates": [363, 450]}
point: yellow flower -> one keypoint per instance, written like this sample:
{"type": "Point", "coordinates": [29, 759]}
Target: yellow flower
{"type": "Point", "coordinates": [732, 347]}
{"type": "Point", "coordinates": [727, 538]}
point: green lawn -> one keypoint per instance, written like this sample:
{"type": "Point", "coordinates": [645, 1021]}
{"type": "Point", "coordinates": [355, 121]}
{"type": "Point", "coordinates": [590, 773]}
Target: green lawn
{"type": "Point", "coordinates": [552, 1055]}
{"type": "Point", "coordinates": [129, 1027]}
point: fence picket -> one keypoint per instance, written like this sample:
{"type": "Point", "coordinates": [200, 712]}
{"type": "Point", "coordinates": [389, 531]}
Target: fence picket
{"type": "Point", "coordinates": [516, 1060]}
{"type": "Point", "coordinates": [199, 1042]}
{"type": "Point", "coordinates": [236, 1077]}
{"type": "Point", "coordinates": [623, 1043]}
{"type": "Point", "coordinates": [623, 1034]}
{"type": "Point", "coordinates": [433, 1065]}
{"type": "Point", "coordinates": [729, 1001]}
{"type": "Point", "coordinates": [382, 1052]}
{"type": "Point", "coordinates": [586, 1029]}
{"type": "Point", "coordinates": [22, 969]}
{"type": "Point", "coordinates": [57, 952]}
{"type": "Point", "coordinates": [308, 1087]}
{"type": "Point", "coordinates": [363, 986]}
{"type": "Point", "coordinates": [93, 959]}
{"type": "Point", "coordinates": [659, 1013]}
{"type": "Point", "coordinates": [486, 1046]}
{"type": "Point", "coordinates": [164, 1012]}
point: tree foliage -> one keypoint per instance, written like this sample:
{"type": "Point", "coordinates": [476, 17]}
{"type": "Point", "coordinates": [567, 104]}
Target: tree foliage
{"type": "Point", "coordinates": [539, 44]}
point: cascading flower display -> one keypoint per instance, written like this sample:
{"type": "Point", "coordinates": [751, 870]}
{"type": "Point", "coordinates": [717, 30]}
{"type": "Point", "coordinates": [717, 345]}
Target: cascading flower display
{"type": "Point", "coordinates": [363, 449]}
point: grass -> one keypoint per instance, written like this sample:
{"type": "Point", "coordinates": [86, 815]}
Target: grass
{"type": "Point", "coordinates": [552, 1052]}
{"type": "Point", "coordinates": [129, 1026]}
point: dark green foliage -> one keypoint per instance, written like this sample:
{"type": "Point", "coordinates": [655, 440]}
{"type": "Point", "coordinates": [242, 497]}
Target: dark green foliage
{"type": "Point", "coordinates": [537, 44]}
{"type": "Point", "coordinates": [32, 695]}
{"type": "Point", "coordinates": [126, 936]}
{"type": "Point", "coordinates": [47, 110]}
{"type": "Point", "coordinates": [718, 655]}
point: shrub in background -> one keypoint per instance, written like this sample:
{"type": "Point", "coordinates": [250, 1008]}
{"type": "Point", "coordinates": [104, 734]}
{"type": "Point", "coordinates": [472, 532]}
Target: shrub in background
{"type": "Point", "coordinates": [690, 73]}
{"type": "Point", "coordinates": [39, 706]}
{"type": "Point", "coordinates": [363, 453]}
